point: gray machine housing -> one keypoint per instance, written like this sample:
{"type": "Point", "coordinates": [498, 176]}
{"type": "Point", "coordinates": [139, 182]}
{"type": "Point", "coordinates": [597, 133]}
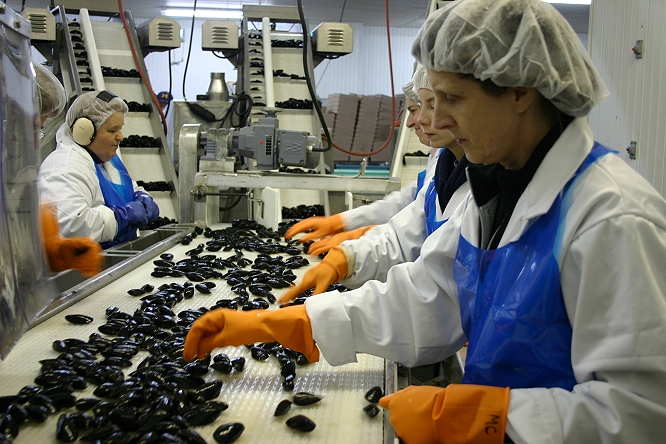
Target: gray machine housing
{"type": "Point", "coordinates": [273, 147]}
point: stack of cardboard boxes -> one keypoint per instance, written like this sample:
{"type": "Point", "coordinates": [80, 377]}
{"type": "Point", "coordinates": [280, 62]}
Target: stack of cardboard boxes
{"type": "Point", "coordinates": [361, 124]}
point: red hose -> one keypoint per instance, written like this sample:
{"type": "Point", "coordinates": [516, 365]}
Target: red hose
{"type": "Point", "coordinates": [138, 67]}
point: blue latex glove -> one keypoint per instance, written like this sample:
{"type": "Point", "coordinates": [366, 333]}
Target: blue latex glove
{"type": "Point", "coordinates": [130, 217]}
{"type": "Point", "coordinates": [152, 209]}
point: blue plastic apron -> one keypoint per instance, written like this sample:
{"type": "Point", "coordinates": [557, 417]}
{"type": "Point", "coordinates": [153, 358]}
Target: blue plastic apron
{"type": "Point", "coordinates": [430, 209]}
{"type": "Point", "coordinates": [420, 180]}
{"type": "Point", "coordinates": [512, 308]}
{"type": "Point", "coordinates": [116, 194]}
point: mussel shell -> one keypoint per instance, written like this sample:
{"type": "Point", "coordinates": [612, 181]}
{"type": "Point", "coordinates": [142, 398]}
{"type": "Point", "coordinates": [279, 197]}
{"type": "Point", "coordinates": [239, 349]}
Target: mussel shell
{"type": "Point", "coordinates": [228, 433]}
{"type": "Point", "coordinates": [288, 383]}
{"type": "Point", "coordinates": [166, 256]}
{"type": "Point", "coordinates": [190, 436]}
{"type": "Point", "coordinates": [371, 410]}
{"type": "Point", "coordinates": [200, 415]}
{"type": "Point", "coordinates": [238, 363]}
{"type": "Point", "coordinates": [305, 398]}
{"type": "Point", "coordinates": [283, 407]}
{"type": "Point", "coordinates": [259, 353]}
{"type": "Point", "coordinates": [210, 390]}
{"type": "Point", "coordinates": [374, 394]}
{"type": "Point", "coordinates": [202, 288]}
{"type": "Point", "coordinates": [289, 368]}
{"type": "Point", "coordinates": [302, 423]}
{"type": "Point", "coordinates": [79, 319]}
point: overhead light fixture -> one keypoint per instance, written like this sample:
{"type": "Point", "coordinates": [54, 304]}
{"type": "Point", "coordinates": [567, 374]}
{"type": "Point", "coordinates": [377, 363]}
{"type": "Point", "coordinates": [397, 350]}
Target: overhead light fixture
{"type": "Point", "coordinates": [204, 13]}
{"type": "Point", "coordinates": [570, 2]}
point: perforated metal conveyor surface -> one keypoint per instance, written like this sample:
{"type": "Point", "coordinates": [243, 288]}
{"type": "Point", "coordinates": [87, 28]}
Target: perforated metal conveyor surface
{"type": "Point", "coordinates": [252, 394]}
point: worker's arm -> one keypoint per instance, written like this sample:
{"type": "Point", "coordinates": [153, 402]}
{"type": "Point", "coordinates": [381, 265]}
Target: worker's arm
{"type": "Point", "coordinates": [370, 257]}
{"type": "Point", "coordinates": [380, 211]}
{"type": "Point", "coordinates": [78, 213]}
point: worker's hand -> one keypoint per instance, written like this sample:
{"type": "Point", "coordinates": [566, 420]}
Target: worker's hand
{"type": "Point", "coordinates": [332, 269]}
{"type": "Point", "coordinates": [323, 245]}
{"type": "Point", "coordinates": [152, 210]}
{"type": "Point", "coordinates": [130, 216]}
{"type": "Point", "coordinates": [221, 327]}
{"type": "Point", "coordinates": [322, 226]}
{"type": "Point", "coordinates": [459, 413]}
{"type": "Point", "coordinates": [79, 253]}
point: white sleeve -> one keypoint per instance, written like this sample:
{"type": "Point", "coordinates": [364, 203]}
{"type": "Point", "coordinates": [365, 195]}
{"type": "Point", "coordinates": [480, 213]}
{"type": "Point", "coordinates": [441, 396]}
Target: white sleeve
{"type": "Point", "coordinates": [413, 318]}
{"type": "Point", "coordinates": [77, 213]}
{"type": "Point", "coordinates": [614, 288]}
{"type": "Point", "coordinates": [370, 257]}
{"type": "Point", "coordinates": [380, 211]}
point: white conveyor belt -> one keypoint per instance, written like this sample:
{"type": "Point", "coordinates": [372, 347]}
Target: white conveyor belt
{"type": "Point", "coordinates": [252, 395]}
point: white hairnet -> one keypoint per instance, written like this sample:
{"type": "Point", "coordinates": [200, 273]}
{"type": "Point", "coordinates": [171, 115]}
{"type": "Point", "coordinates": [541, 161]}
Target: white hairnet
{"type": "Point", "coordinates": [51, 97]}
{"type": "Point", "coordinates": [94, 108]}
{"type": "Point", "coordinates": [420, 79]}
{"type": "Point", "coordinates": [513, 43]}
{"type": "Point", "coordinates": [408, 89]}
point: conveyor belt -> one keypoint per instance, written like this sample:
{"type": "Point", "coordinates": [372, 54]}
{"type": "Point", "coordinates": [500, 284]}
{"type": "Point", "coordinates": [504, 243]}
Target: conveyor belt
{"type": "Point", "coordinates": [252, 395]}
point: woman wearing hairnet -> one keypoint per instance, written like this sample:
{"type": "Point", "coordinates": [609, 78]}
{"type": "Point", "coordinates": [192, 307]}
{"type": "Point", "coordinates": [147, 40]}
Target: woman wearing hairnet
{"type": "Point", "coordinates": [80, 253]}
{"type": "Point", "coordinates": [355, 223]}
{"type": "Point", "coordinates": [93, 192]}
{"type": "Point", "coordinates": [354, 262]}
{"type": "Point", "coordinates": [552, 268]}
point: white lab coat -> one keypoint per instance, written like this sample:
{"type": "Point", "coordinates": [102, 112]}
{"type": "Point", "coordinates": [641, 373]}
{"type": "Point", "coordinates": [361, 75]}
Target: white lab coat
{"type": "Point", "coordinates": [611, 259]}
{"type": "Point", "coordinates": [67, 177]}
{"type": "Point", "coordinates": [380, 211]}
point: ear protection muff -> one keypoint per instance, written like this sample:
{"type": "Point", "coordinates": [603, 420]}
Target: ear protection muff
{"type": "Point", "coordinates": [83, 129]}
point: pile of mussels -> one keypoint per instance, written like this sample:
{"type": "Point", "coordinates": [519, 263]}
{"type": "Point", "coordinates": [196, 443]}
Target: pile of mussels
{"type": "Point", "coordinates": [164, 396]}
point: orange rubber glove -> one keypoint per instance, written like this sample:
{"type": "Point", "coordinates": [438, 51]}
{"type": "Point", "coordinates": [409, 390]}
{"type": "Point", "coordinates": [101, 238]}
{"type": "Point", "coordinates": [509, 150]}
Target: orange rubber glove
{"type": "Point", "coordinates": [332, 269]}
{"type": "Point", "coordinates": [457, 414]}
{"type": "Point", "coordinates": [322, 226]}
{"type": "Point", "coordinates": [322, 246]}
{"type": "Point", "coordinates": [80, 253]}
{"type": "Point", "coordinates": [221, 327]}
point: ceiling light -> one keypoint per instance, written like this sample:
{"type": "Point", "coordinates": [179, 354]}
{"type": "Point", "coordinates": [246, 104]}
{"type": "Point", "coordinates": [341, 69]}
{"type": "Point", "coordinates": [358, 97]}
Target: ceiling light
{"type": "Point", "coordinates": [570, 2]}
{"type": "Point", "coordinates": [204, 13]}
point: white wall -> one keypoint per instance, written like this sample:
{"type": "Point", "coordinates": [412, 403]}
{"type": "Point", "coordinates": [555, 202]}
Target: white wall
{"type": "Point", "coordinates": [364, 71]}
{"type": "Point", "coordinates": [636, 107]}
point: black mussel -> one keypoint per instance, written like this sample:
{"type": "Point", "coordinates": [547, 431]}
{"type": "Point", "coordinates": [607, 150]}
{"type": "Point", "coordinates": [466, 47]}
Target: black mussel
{"type": "Point", "coordinates": [302, 423]}
{"type": "Point", "coordinates": [289, 368]}
{"type": "Point", "coordinates": [201, 288]}
{"type": "Point", "coordinates": [148, 288]}
{"type": "Point", "coordinates": [37, 412]}
{"type": "Point", "coordinates": [228, 433]}
{"type": "Point", "coordinates": [196, 368]}
{"type": "Point", "coordinates": [222, 366]}
{"type": "Point", "coordinates": [163, 263]}
{"type": "Point", "coordinates": [18, 412]}
{"type": "Point", "coordinates": [85, 404]}
{"type": "Point", "coordinates": [136, 292]}
{"type": "Point", "coordinates": [374, 394]}
{"type": "Point", "coordinates": [288, 383]}
{"type": "Point", "coordinates": [209, 284]}
{"type": "Point", "coordinates": [188, 292]}
{"type": "Point", "coordinates": [238, 363]}
{"type": "Point", "coordinates": [305, 398]}
{"type": "Point", "coordinates": [283, 407]}
{"type": "Point", "coordinates": [210, 390]}
{"type": "Point", "coordinates": [259, 353]}
{"type": "Point", "coordinates": [302, 360]}
{"type": "Point", "coordinates": [79, 319]}
{"type": "Point", "coordinates": [66, 430]}
{"type": "Point", "coordinates": [195, 277]}
{"type": "Point", "coordinates": [218, 405]}
{"type": "Point", "coordinates": [59, 345]}
{"type": "Point", "coordinates": [9, 426]}
{"type": "Point", "coordinates": [371, 410]}
{"type": "Point", "coordinates": [200, 415]}
{"type": "Point", "coordinates": [166, 256]}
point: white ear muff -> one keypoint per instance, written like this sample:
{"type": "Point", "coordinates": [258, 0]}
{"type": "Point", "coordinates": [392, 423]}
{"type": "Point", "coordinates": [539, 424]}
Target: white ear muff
{"type": "Point", "coordinates": [83, 131]}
